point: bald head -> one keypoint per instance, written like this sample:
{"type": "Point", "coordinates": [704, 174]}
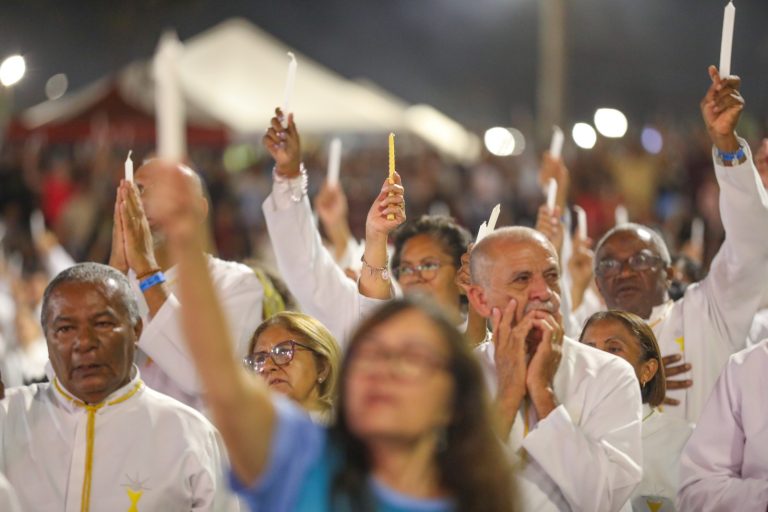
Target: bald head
{"type": "Point", "coordinates": [146, 178]}
{"type": "Point", "coordinates": [155, 165]}
{"type": "Point", "coordinates": [490, 248]}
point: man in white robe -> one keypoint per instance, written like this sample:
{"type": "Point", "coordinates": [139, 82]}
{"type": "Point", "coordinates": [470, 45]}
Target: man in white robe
{"type": "Point", "coordinates": [571, 414]}
{"type": "Point", "coordinates": [97, 438]}
{"type": "Point", "coordinates": [724, 466]}
{"type": "Point", "coordinates": [138, 249]}
{"type": "Point", "coordinates": [699, 332]}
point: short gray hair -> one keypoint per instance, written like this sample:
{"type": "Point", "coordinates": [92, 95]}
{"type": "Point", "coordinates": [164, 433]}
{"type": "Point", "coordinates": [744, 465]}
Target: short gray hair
{"type": "Point", "coordinates": [94, 273]}
{"type": "Point", "coordinates": [656, 239]}
{"type": "Point", "coordinates": [480, 259]}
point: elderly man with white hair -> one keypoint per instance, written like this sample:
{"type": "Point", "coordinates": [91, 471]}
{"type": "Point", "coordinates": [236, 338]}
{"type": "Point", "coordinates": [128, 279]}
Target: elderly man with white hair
{"type": "Point", "coordinates": [571, 414]}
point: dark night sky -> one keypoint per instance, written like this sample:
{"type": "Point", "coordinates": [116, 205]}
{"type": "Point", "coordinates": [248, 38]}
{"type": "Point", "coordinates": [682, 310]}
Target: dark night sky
{"type": "Point", "coordinates": [473, 59]}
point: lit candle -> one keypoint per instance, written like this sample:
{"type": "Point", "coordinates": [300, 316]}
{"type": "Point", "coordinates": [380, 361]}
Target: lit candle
{"type": "Point", "coordinates": [391, 216]}
{"type": "Point", "coordinates": [551, 194]}
{"type": "Point", "coordinates": [621, 215]}
{"type": "Point", "coordinates": [169, 106]}
{"type": "Point", "coordinates": [289, 81]}
{"type": "Point", "coordinates": [726, 43]}
{"type": "Point", "coordinates": [334, 162]}
{"type": "Point", "coordinates": [581, 222]}
{"type": "Point", "coordinates": [556, 145]}
{"type": "Point", "coordinates": [129, 168]}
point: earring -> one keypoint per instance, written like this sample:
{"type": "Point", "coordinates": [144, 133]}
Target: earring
{"type": "Point", "coordinates": [320, 380]}
{"type": "Point", "coordinates": [643, 383]}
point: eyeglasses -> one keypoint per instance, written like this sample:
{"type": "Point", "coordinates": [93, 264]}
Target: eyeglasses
{"type": "Point", "coordinates": [281, 355]}
{"type": "Point", "coordinates": [408, 364]}
{"type": "Point", "coordinates": [638, 262]}
{"type": "Point", "coordinates": [427, 270]}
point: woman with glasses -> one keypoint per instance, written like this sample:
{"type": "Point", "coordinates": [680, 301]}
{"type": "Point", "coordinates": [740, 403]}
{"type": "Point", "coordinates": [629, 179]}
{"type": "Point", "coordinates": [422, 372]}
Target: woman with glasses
{"type": "Point", "coordinates": [412, 430]}
{"type": "Point", "coordinates": [629, 337]}
{"type": "Point", "coordinates": [297, 356]}
{"type": "Point", "coordinates": [426, 260]}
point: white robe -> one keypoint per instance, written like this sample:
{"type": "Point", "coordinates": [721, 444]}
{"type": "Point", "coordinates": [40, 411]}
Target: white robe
{"type": "Point", "coordinates": [171, 369]}
{"type": "Point", "coordinates": [308, 268]}
{"type": "Point", "coordinates": [586, 455]}
{"type": "Point", "coordinates": [8, 500]}
{"type": "Point", "coordinates": [724, 466]}
{"type": "Point", "coordinates": [148, 449]}
{"type": "Point", "coordinates": [664, 437]}
{"type": "Point", "coordinates": [713, 318]}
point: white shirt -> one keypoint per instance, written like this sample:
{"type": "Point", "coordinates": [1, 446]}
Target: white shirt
{"type": "Point", "coordinates": [321, 288]}
{"type": "Point", "coordinates": [664, 437]}
{"type": "Point", "coordinates": [8, 500]}
{"type": "Point", "coordinates": [171, 369]}
{"type": "Point", "coordinates": [724, 466]}
{"type": "Point", "coordinates": [148, 450]}
{"type": "Point", "coordinates": [586, 455]}
{"type": "Point", "coordinates": [759, 330]}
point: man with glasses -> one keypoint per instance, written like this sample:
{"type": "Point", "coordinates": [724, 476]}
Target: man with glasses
{"type": "Point", "coordinates": [571, 415]}
{"type": "Point", "coordinates": [699, 332]}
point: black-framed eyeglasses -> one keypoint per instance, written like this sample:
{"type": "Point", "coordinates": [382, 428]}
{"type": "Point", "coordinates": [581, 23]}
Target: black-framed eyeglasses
{"type": "Point", "coordinates": [638, 262]}
{"type": "Point", "coordinates": [427, 270]}
{"type": "Point", "coordinates": [281, 355]}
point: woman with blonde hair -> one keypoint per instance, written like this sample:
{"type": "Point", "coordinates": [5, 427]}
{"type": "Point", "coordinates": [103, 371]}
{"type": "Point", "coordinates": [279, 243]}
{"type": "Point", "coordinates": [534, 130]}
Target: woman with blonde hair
{"type": "Point", "coordinates": [298, 357]}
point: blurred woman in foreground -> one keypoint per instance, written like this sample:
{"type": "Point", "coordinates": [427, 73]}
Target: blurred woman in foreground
{"type": "Point", "coordinates": [412, 428]}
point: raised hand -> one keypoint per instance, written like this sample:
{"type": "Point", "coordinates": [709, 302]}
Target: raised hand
{"type": "Point", "coordinates": [117, 257]}
{"type": "Point", "coordinates": [555, 168]}
{"type": "Point", "coordinates": [509, 356]}
{"type": "Point", "coordinates": [391, 200]}
{"type": "Point", "coordinates": [137, 238]}
{"type": "Point", "coordinates": [721, 109]}
{"type": "Point", "coordinates": [284, 145]}
{"type": "Point", "coordinates": [580, 267]}
{"type": "Point", "coordinates": [549, 224]}
{"type": "Point", "coordinates": [463, 276]}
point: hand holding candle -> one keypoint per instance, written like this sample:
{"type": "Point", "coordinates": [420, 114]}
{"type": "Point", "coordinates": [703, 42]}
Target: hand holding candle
{"type": "Point", "coordinates": [726, 44]}
{"type": "Point", "coordinates": [288, 94]}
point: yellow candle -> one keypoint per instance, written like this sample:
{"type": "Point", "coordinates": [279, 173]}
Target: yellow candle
{"type": "Point", "coordinates": [391, 216]}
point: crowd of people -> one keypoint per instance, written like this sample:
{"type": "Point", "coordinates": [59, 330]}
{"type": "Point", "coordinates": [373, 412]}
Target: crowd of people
{"type": "Point", "coordinates": [416, 368]}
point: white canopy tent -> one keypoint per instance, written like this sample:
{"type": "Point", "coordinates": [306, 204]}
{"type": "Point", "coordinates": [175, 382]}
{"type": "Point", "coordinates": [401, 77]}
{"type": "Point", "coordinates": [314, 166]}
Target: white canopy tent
{"type": "Point", "coordinates": [234, 73]}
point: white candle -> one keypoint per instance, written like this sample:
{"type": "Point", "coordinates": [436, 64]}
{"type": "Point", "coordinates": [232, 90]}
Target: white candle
{"type": "Point", "coordinates": [581, 222]}
{"type": "Point", "coordinates": [129, 168]}
{"type": "Point", "coordinates": [551, 194]}
{"type": "Point", "coordinates": [334, 162]}
{"type": "Point", "coordinates": [556, 146]}
{"type": "Point", "coordinates": [37, 225]}
{"type": "Point", "coordinates": [697, 233]}
{"type": "Point", "coordinates": [621, 215]}
{"type": "Point", "coordinates": [726, 43]}
{"type": "Point", "coordinates": [169, 106]}
{"type": "Point", "coordinates": [493, 218]}
{"type": "Point", "coordinates": [289, 81]}
{"type": "Point", "coordinates": [481, 233]}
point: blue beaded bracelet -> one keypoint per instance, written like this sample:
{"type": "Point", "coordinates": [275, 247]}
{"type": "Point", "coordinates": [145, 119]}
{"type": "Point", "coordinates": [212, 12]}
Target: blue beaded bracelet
{"type": "Point", "coordinates": [156, 278]}
{"type": "Point", "coordinates": [729, 157]}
